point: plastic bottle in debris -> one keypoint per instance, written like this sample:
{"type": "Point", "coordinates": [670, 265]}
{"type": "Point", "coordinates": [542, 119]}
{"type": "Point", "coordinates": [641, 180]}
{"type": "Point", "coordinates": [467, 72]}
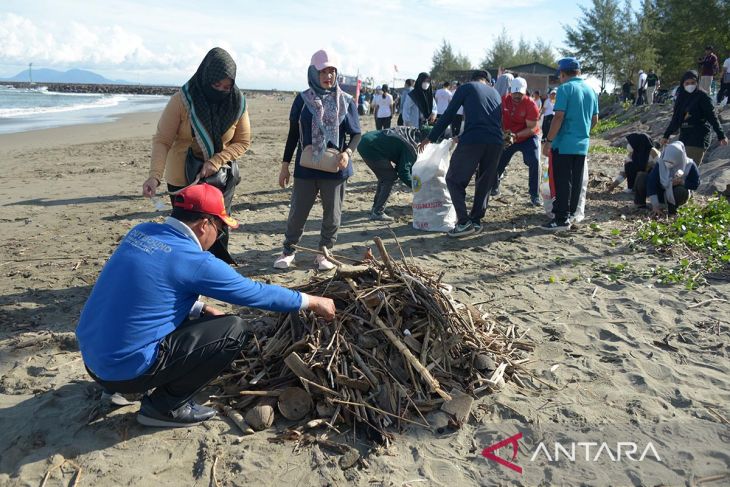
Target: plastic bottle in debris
{"type": "Point", "coordinates": [158, 203]}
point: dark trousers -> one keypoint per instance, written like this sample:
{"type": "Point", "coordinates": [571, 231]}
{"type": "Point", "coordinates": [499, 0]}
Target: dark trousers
{"type": "Point", "coordinates": [723, 92]}
{"type": "Point", "coordinates": [385, 171]}
{"type": "Point", "coordinates": [456, 125]}
{"type": "Point", "coordinates": [681, 194]}
{"type": "Point", "coordinates": [547, 122]}
{"type": "Point", "coordinates": [187, 359]}
{"type": "Point", "coordinates": [568, 178]}
{"type": "Point", "coordinates": [530, 150]}
{"type": "Point", "coordinates": [641, 97]}
{"type": "Point", "coordinates": [382, 123]}
{"type": "Point", "coordinates": [465, 161]}
{"type": "Point", "coordinates": [220, 247]}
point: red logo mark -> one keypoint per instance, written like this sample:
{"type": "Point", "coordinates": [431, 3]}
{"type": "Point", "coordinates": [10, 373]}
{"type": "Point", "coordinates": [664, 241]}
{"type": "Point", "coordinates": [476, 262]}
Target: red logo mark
{"type": "Point", "coordinates": [512, 440]}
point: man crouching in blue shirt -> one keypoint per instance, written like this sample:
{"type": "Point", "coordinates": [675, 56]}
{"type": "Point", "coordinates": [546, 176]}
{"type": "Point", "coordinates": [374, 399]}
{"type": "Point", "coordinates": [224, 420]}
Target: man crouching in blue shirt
{"type": "Point", "coordinates": [143, 326]}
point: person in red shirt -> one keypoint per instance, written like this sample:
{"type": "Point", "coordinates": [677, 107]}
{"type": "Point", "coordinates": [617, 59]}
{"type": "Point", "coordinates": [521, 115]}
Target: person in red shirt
{"type": "Point", "coordinates": [519, 116]}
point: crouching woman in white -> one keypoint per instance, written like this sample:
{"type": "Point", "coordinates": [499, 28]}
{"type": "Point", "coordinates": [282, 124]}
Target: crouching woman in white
{"type": "Point", "coordinates": [670, 182]}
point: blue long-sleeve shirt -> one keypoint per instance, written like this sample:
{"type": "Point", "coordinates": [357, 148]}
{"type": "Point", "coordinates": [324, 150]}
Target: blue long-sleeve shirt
{"type": "Point", "coordinates": [146, 290]}
{"type": "Point", "coordinates": [482, 115]}
{"type": "Point", "coordinates": [655, 191]}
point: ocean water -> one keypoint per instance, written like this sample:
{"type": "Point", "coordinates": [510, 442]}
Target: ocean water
{"type": "Point", "coordinates": [22, 110]}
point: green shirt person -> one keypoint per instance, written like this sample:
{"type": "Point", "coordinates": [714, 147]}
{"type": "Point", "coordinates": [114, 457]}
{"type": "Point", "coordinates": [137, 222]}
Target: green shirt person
{"type": "Point", "coordinates": [390, 154]}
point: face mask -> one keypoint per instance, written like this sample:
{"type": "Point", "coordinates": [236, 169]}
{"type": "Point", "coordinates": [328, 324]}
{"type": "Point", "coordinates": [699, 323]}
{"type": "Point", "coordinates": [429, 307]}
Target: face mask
{"type": "Point", "coordinates": [425, 85]}
{"type": "Point", "coordinates": [216, 96]}
{"type": "Point", "coordinates": [690, 88]}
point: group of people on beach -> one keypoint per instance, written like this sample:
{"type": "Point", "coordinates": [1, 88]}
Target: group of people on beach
{"type": "Point", "coordinates": [144, 328]}
{"type": "Point", "coordinates": [668, 177]}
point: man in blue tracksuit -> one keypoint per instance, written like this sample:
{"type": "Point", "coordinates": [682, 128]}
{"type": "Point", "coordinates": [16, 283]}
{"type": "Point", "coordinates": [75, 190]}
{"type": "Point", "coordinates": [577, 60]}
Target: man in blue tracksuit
{"type": "Point", "coordinates": [480, 146]}
{"type": "Point", "coordinates": [143, 326]}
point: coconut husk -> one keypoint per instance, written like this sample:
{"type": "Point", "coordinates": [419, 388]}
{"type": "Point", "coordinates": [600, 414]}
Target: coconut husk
{"type": "Point", "coordinates": [294, 403]}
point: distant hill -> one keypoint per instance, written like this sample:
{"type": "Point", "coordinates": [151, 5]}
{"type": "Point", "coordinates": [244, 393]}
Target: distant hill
{"type": "Point", "coordinates": [82, 76]}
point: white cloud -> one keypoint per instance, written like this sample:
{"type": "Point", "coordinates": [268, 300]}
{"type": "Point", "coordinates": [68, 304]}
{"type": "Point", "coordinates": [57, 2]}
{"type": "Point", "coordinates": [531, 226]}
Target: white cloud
{"type": "Point", "coordinates": [164, 41]}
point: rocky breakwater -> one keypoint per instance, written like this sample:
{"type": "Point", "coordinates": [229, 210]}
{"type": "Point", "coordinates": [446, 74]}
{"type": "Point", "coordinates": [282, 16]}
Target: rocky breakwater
{"type": "Point", "coordinates": [103, 89]}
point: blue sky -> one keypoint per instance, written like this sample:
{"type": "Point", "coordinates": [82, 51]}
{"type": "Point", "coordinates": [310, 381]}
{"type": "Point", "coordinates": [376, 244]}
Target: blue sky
{"type": "Point", "coordinates": [161, 41]}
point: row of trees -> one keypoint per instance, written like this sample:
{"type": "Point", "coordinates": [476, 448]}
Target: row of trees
{"type": "Point", "coordinates": [503, 53]}
{"type": "Point", "coordinates": [613, 41]}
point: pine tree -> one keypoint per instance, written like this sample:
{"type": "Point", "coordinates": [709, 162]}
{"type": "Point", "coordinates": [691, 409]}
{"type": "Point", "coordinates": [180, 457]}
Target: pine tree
{"type": "Point", "coordinates": [504, 54]}
{"type": "Point", "coordinates": [638, 51]}
{"type": "Point", "coordinates": [445, 60]}
{"type": "Point", "coordinates": [685, 28]}
{"type": "Point", "coordinates": [597, 39]}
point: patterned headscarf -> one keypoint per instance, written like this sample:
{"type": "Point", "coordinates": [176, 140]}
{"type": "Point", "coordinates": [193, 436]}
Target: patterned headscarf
{"type": "Point", "coordinates": [329, 109]}
{"type": "Point", "coordinates": [212, 112]}
{"type": "Point", "coordinates": [410, 136]}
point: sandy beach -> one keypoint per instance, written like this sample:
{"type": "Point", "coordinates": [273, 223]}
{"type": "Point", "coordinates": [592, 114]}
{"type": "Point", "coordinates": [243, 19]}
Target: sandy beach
{"type": "Point", "coordinates": [620, 360]}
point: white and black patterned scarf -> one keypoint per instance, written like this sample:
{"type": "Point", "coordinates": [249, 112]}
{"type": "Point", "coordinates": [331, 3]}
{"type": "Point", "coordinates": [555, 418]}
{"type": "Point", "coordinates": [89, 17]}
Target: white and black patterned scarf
{"type": "Point", "coordinates": [212, 112]}
{"type": "Point", "coordinates": [329, 109]}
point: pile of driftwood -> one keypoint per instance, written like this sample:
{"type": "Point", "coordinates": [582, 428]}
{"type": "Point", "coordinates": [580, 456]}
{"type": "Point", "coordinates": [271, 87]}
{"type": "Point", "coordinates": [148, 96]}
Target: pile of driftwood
{"type": "Point", "coordinates": [399, 347]}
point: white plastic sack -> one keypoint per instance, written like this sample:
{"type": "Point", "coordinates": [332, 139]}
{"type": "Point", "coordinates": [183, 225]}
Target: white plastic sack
{"type": "Point", "coordinates": [547, 190]}
{"type": "Point", "coordinates": [432, 207]}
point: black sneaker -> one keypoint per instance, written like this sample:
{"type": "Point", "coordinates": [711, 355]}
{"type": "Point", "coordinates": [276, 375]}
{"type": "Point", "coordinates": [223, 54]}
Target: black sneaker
{"type": "Point", "coordinates": [535, 201]}
{"type": "Point", "coordinates": [555, 226]}
{"type": "Point", "coordinates": [188, 414]}
{"type": "Point", "coordinates": [495, 191]}
{"type": "Point", "coordinates": [461, 230]}
{"type": "Point", "coordinates": [477, 226]}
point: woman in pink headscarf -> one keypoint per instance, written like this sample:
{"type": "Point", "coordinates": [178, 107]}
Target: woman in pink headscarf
{"type": "Point", "coordinates": [320, 120]}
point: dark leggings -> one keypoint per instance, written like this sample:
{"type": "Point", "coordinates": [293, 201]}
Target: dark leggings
{"type": "Point", "coordinates": [547, 121]}
{"type": "Point", "coordinates": [187, 360]}
{"type": "Point", "coordinates": [382, 123]}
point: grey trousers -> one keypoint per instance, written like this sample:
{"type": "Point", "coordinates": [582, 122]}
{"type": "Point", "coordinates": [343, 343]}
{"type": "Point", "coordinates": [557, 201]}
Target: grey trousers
{"type": "Point", "coordinates": [304, 194]}
{"type": "Point", "coordinates": [387, 175]}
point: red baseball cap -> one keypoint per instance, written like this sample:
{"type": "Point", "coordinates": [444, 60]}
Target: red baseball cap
{"type": "Point", "coordinates": [204, 198]}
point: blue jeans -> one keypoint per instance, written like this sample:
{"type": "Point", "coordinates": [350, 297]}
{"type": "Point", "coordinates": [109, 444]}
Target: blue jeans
{"type": "Point", "coordinates": [530, 150]}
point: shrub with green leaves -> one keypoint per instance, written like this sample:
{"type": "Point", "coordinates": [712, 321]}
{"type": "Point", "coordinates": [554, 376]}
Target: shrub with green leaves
{"type": "Point", "coordinates": [699, 236]}
{"type": "Point", "coordinates": [606, 124]}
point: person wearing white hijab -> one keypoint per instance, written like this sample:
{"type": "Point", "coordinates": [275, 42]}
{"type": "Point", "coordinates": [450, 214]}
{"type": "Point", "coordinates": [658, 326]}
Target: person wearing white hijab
{"type": "Point", "coordinates": [670, 182]}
